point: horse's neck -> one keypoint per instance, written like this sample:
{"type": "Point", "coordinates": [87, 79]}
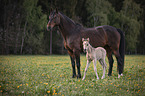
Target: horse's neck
{"type": "Point", "coordinates": [66, 26]}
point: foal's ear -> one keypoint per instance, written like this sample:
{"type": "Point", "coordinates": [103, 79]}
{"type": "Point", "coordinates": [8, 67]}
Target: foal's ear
{"type": "Point", "coordinates": [82, 39]}
{"type": "Point", "coordinates": [88, 39]}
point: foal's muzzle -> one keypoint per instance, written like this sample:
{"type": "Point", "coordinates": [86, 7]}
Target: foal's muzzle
{"type": "Point", "coordinates": [84, 50]}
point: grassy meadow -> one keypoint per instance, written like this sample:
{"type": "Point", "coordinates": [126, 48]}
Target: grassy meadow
{"type": "Point", "coordinates": [40, 75]}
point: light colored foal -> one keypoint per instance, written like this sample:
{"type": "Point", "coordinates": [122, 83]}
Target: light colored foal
{"type": "Point", "coordinates": [94, 54]}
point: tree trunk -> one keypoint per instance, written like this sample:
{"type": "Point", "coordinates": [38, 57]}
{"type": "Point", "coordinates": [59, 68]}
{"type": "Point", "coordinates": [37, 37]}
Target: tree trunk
{"type": "Point", "coordinates": [51, 43]}
{"type": "Point", "coordinates": [23, 37]}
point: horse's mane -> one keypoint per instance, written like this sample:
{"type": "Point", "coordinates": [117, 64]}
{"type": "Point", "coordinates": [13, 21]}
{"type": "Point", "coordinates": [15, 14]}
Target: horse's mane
{"type": "Point", "coordinates": [70, 20]}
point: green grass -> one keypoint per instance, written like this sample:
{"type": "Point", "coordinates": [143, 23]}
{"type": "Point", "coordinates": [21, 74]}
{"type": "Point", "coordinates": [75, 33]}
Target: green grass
{"type": "Point", "coordinates": [51, 75]}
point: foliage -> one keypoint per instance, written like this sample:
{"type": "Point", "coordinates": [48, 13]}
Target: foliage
{"type": "Point", "coordinates": [23, 23]}
{"type": "Point", "coordinates": [51, 75]}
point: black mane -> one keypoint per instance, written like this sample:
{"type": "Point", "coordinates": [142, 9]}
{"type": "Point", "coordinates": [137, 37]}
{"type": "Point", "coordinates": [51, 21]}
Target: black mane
{"type": "Point", "coordinates": [70, 20]}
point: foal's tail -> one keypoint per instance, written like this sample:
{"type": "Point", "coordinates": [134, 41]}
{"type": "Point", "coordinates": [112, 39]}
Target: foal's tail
{"type": "Point", "coordinates": [122, 47]}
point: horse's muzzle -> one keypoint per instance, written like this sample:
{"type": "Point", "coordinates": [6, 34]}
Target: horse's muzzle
{"type": "Point", "coordinates": [48, 28]}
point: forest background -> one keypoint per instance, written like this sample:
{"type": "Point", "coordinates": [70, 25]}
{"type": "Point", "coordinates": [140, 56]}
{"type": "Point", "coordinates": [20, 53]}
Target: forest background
{"type": "Point", "coordinates": [23, 23]}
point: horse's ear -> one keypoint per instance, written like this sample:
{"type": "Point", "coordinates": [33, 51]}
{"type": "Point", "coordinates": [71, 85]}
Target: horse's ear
{"type": "Point", "coordinates": [56, 10]}
{"type": "Point", "coordinates": [88, 39]}
{"type": "Point", "coordinates": [82, 39]}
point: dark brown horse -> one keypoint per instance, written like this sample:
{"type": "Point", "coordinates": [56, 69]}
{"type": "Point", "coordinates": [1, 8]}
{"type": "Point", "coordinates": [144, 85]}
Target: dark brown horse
{"type": "Point", "coordinates": [110, 38]}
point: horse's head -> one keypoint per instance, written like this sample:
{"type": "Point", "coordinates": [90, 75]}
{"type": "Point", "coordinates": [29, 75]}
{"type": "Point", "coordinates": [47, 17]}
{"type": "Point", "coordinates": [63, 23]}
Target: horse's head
{"type": "Point", "coordinates": [85, 44]}
{"type": "Point", "coordinates": [54, 19]}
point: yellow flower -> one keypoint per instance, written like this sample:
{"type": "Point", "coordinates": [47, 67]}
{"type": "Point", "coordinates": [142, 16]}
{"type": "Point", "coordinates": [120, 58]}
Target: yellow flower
{"type": "Point", "coordinates": [18, 86]}
{"type": "Point", "coordinates": [48, 91]}
{"type": "Point", "coordinates": [86, 89]}
{"type": "Point", "coordinates": [26, 84]}
{"type": "Point", "coordinates": [46, 83]}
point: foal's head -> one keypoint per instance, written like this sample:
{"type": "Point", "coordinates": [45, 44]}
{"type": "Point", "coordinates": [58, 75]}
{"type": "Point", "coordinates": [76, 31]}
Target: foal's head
{"type": "Point", "coordinates": [54, 19]}
{"type": "Point", "coordinates": [85, 44]}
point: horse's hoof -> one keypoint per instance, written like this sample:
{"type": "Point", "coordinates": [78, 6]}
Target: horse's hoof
{"type": "Point", "coordinates": [79, 76]}
{"type": "Point", "coordinates": [120, 75]}
{"type": "Point", "coordinates": [73, 76]}
{"type": "Point", "coordinates": [109, 74]}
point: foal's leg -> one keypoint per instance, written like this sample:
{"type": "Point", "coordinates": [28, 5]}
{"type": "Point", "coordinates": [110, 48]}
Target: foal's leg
{"type": "Point", "coordinates": [87, 66]}
{"type": "Point", "coordinates": [103, 63]}
{"type": "Point", "coordinates": [95, 69]}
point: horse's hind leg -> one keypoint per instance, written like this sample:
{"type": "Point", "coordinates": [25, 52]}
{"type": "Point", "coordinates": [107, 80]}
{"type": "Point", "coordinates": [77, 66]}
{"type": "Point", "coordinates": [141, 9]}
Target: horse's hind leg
{"type": "Point", "coordinates": [111, 61]}
{"type": "Point", "coordinates": [95, 69]}
{"type": "Point", "coordinates": [119, 62]}
{"type": "Point", "coordinates": [87, 66]}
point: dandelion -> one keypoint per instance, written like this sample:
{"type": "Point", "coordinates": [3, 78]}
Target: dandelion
{"type": "Point", "coordinates": [54, 91]}
{"type": "Point", "coordinates": [48, 91]}
{"type": "Point", "coordinates": [46, 83]}
{"type": "Point", "coordinates": [26, 84]}
{"type": "Point", "coordinates": [18, 86]}
{"type": "Point", "coordinates": [86, 89]}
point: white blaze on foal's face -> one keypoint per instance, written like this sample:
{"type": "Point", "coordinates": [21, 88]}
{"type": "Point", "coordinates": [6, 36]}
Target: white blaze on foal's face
{"type": "Point", "coordinates": [85, 45]}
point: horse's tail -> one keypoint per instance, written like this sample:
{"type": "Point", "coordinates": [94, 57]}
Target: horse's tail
{"type": "Point", "coordinates": [122, 46]}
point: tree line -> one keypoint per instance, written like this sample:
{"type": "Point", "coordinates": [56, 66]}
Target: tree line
{"type": "Point", "coordinates": [23, 23]}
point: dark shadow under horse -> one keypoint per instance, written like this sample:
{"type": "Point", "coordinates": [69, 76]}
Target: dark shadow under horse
{"type": "Point", "coordinates": [110, 38]}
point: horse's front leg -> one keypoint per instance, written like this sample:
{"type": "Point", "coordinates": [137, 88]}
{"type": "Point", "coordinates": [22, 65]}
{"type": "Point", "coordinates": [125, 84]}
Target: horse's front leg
{"type": "Point", "coordinates": [87, 66]}
{"type": "Point", "coordinates": [95, 69]}
{"type": "Point", "coordinates": [77, 57]}
{"type": "Point", "coordinates": [73, 66]}
{"type": "Point", "coordinates": [73, 63]}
